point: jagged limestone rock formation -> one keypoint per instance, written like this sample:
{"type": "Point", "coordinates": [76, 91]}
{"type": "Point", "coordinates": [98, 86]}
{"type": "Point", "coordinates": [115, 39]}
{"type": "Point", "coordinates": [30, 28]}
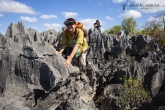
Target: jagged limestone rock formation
{"type": "Point", "coordinates": [34, 77]}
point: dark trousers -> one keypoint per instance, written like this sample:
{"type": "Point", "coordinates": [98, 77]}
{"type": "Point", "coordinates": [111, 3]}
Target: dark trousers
{"type": "Point", "coordinates": [75, 61]}
{"type": "Point", "coordinates": [67, 52]}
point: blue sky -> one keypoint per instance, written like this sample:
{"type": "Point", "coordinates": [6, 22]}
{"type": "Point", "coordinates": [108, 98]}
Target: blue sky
{"type": "Point", "coordinates": [46, 14]}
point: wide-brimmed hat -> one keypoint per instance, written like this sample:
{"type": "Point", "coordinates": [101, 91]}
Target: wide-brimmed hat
{"type": "Point", "coordinates": [69, 20]}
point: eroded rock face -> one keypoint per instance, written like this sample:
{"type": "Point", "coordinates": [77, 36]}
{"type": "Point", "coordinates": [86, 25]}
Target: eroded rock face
{"type": "Point", "coordinates": [32, 74]}
{"type": "Point", "coordinates": [34, 77]}
{"type": "Point", "coordinates": [138, 56]}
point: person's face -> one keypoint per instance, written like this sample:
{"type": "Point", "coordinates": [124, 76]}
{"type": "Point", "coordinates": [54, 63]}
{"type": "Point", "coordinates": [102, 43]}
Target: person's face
{"type": "Point", "coordinates": [71, 27]}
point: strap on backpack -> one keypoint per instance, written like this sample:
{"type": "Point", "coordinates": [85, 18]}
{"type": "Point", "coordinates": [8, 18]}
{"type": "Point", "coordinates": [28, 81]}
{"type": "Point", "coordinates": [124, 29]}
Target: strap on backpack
{"type": "Point", "coordinates": [76, 32]}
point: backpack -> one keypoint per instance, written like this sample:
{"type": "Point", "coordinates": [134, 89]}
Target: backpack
{"type": "Point", "coordinates": [79, 25]}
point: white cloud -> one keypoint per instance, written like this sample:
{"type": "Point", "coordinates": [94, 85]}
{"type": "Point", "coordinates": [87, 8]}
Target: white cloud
{"type": "Point", "coordinates": [150, 19]}
{"type": "Point", "coordinates": [118, 1]}
{"type": "Point", "coordinates": [48, 16]}
{"type": "Point", "coordinates": [0, 24]}
{"type": "Point", "coordinates": [89, 23]}
{"type": "Point", "coordinates": [109, 18]}
{"type": "Point", "coordinates": [131, 13]}
{"type": "Point", "coordinates": [69, 14]}
{"type": "Point", "coordinates": [12, 6]}
{"type": "Point", "coordinates": [57, 27]}
{"type": "Point", "coordinates": [152, 9]}
{"type": "Point", "coordinates": [1, 15]}
{"type": "Point", "coordinates": [28, 19]}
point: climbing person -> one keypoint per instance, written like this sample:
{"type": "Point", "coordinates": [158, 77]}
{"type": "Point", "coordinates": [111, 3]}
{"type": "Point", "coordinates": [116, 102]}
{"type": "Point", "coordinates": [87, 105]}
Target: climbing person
{"type": "Point", "coordinates": [97, 25]}
{"type": "Point", "coordinates": [75, 43]}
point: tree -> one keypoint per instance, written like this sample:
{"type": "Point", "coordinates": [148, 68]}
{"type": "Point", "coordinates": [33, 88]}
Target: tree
{"type": "Point", "coordinates": [133, 95]}
{"type": "Point", "coordinates": [154, 29]}
{"type": "Point", "coordinates": [137, 31]}
{"type": "Point", "coordinates": [151, 27]}
{"type": "Point", "coordinates": [115, 29]}
{"type": "Point", "coordinates": [161, 17]}
{"type": "Point", "coordinates": [128, 25]}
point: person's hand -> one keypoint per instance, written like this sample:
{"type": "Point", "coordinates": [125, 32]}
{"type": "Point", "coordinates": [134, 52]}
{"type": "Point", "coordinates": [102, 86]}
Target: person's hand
{"type": "Point", "coordinates": [58, 52]}
{"type": "Point", "coordinates": [67, 62]}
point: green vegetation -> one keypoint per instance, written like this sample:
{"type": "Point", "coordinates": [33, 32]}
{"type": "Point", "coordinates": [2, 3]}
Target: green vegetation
{"type": "Point", "coordinates": [151, 27]}
{"type": "Point", "coordinates": [155, 28]}
{"type": "Point", "coordinates": [115, 29]}
{"type": "Point", "coordinates": [128, 26]}
{"type": "Point", "coordinates": [133, 95]}
{"type": "Point", "coordinates": [161, 17]}
{"type": "Point", "coordinates": [163, 42]}
{"type": "Point", "coordinates": [137, 32]}
{"type": "Point", "coordinates": [159, 36]}
{"type": "Point", "coordinates": [112, 58]}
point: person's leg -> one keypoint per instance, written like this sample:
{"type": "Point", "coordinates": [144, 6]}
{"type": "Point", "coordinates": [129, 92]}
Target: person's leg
{"type": "Point", "coordinates": [75, 61]}
{"type": "Point", "coordinates": [82, 61]}
{"type": "Point", "coordinates": [99, 29]}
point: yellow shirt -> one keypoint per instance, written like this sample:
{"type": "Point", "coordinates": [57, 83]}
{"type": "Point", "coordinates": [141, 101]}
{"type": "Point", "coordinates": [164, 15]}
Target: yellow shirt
{"type": "Point", "coordinates": [67, 39]}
